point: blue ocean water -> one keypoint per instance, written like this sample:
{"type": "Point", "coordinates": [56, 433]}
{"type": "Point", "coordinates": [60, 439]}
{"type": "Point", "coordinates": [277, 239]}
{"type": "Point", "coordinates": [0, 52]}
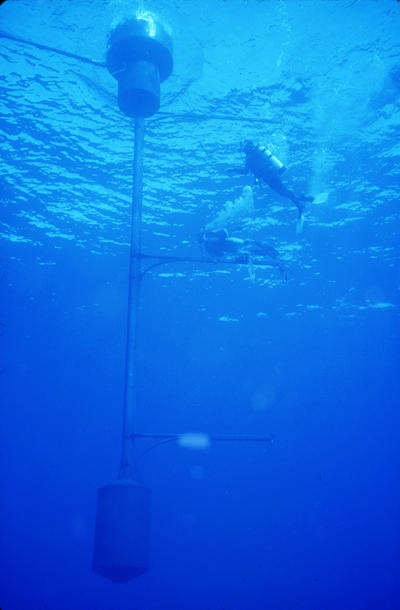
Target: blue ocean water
{"type": "Point", "coordinates": [307, 521]}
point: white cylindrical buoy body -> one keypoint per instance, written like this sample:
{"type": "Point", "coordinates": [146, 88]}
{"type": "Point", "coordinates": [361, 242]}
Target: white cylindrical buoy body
{"type": "Point", "coordinates": [121, 544]}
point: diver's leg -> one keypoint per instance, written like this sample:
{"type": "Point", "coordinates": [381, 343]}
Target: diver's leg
{"type": "Point", "coordinates": [261, 249]}
{"type": "Point", "coordinates": [277, 185]}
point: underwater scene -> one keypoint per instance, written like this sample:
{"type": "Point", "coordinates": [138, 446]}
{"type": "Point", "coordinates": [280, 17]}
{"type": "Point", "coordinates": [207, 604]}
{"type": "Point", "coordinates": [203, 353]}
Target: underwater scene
{"type": "Point", "coordinates": [199, 321]}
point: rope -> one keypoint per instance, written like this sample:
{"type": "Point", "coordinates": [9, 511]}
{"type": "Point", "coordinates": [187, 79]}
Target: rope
{"type": "Point", "coordinates": [188, 116]}
{"type": "Point", "coordinates": [44, 47]}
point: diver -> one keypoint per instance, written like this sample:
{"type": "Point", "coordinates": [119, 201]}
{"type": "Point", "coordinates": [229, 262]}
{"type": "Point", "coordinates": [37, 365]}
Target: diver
{"type": "Point", "coordinates": [219, 243]}
{"type": "Point", "coordinates": [267, 168]}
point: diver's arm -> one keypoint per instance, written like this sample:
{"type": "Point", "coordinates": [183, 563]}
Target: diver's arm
{"type": "Point", "coordinates": [233, 244]}
{"type": "Point", "coordinates": [240, 170]}
{"type": "Point", "coordinates": [237, 170]}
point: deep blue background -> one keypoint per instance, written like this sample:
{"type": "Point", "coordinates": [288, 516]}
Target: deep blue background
{"type": "Point", "coordinates": [308, 521]}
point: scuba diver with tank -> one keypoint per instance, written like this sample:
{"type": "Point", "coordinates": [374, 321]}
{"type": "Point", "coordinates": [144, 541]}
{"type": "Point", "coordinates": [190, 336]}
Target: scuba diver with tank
{"type": "Point", "coordinates": [267, 168]}
{"type": "Point", "coordinates": [218, 243]}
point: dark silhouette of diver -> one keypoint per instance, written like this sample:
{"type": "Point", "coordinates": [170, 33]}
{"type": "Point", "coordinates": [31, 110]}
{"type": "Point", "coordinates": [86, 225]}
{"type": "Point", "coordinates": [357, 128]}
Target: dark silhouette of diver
{"type": "Point", "coordinates": [267, 168]}
{"type": "Point", "coordinates": [218, 243]}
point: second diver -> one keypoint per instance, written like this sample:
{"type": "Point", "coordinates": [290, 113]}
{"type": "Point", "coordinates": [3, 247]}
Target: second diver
{"type": "Point", "coordinates": [267, 168]}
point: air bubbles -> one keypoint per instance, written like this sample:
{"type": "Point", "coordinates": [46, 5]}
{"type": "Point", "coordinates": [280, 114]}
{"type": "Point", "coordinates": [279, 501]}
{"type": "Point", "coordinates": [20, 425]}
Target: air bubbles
{"type": "Point", "coordinates": [194, 440]}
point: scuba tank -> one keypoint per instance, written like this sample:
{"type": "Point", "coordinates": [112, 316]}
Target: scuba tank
{"type": "Point", "coordinates": [272, 160]}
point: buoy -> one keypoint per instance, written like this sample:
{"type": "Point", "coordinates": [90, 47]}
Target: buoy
{"type": "Point", "coordinates": [139, 56]}
{"type": "Point", "coordinates": [121, 542]}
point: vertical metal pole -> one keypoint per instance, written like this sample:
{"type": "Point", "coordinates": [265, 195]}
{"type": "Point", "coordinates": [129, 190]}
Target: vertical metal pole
{"type": "Point", "coordinates": [135, 278]}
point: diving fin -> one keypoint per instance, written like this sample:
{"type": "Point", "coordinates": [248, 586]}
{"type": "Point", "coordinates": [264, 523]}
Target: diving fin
{"type": "Point", "coordinates": [321, 197]}
{"type": "Point", "coordinates": [250, 268]}
{"type": "Point", "coordinates": [300, 224]}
